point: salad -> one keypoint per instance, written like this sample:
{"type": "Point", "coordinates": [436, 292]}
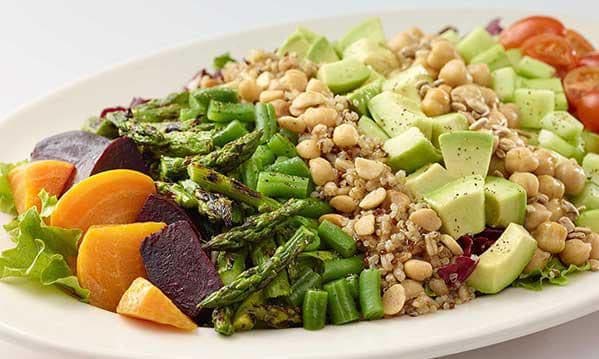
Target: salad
{"type": "Point", "coordinates": [326, 182]}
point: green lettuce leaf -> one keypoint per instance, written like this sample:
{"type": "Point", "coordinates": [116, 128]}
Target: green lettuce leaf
{"type": "Point", "coordinates": [7, 203]}
{"type": "Point", "coordinates": [40, 253]}
{"type": "Point", "coordinates": [48, 203]}
{"type": "Point", "coordinates": [554, 273]}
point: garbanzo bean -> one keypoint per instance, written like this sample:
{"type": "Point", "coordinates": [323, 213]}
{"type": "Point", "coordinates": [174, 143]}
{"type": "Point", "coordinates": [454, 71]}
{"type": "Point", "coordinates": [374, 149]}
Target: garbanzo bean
{"type": "Point", "coordinates": [308, 149]}
{"type": "Point", "coordinates": [436, 102]}
{"type": "Point", "coordinates": [480, 74]}
{"type": "Point", "coordinates": [576, 252]}
{"type": "Point", "coordinates": [321, 171]}
{"type": "Point", "coordinates": [400, 41]}
{"type": "Point", "coordinates": [454, 73]}
{"type": "Point", "coordinates": [418, 270]}
{"type": "Point", "coordinates": [551, 186]}
{"type": "Point", "coordinates": [528, 181]}
{"type": "Point", "coordinates": [572, 176]}
{"type": "Point", "coordinates": [551, 237]}
{"type": "Point", "coordinates": [555, 207]}
{"type": "Point", "coordinates": [427, 219]}
{"type": "Point", "coordinates": [536, 214]}
{"type": "Point", "coordinates": [442, 51]}
{"type": "Point", "coordinates": [538, 261]}
{"type": "Point", "coordinates": [520, 159]}
{"type": "Point", "coordinates": [345, 135]}
{"type": "Point", "coordinates": [547, 162]}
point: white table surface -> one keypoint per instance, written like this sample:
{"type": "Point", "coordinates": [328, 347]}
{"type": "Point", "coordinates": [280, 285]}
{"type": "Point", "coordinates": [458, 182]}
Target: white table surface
{"type": "Point", "coordinates": [49, 43]}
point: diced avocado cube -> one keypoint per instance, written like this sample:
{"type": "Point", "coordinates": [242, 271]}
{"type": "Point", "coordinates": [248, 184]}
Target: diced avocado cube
{"type": "Point", "coordinates": [562, 124]}
{"type": "Point", "coordinates": [505, 202]}
{"type": "Point", "coordinates": [410, 151]}
{"type": "Point", "coordinates": [309, 35]}
{"type": "Point", "coordinates": [477, 41]}
{"type": "Point", "coordinates": [466, 153]}
{"type": "Point", "coordinates": [450, 122]}
{"type": "Point", "coordinates": [494, 57]}
{"type": "Point", "coordinates": [561, 102]}
{"type": "Point", "coordinates": [534, 105]}
{"type": "Point", "coordinates": [295, 43]}
{"type": "Point", "coordinates": [590, 164]}
{"type": "Point", "coordinates": [535, 69]}
{"type": "Point", "coordinates": [343, 76]}
{"type": "Point", "coordinates": [321, 51]}
{"type": "Point", "coordinates": [404, 82]}
{"type": "Point", "coordinates": [369, 128]}
{"type": "Point", "coordinates": [554, 84]}
{"type": "Point", "coordinates": [551, 141]}
{"type": "Point", "coordinates": [461, 205]}
{"type": "Point", "coordinates": [589, 197]}
{"type": "Point", "coordinates": [504, 83]}
{"type": "Point", "coordinates": [427, 179]}
{"type": "Point", "coordinates": [359, 97]}
{"type": "Point", "coordinates": [591, 141]}
{"type": "Point", "coordinates": [370, 28]}
{"type": "Point", "coordinates": [395, 113]}
{"type": "Point", "coordinates": [451, 35]}
{"type": "Point", "coordinates": [514, 55]}
{"type": "Point", "coordinates": [589, 219]}
{"type": "Point", "coordinates": [372, 53]}
{"type": "Point", "coordinates": [504, 261]}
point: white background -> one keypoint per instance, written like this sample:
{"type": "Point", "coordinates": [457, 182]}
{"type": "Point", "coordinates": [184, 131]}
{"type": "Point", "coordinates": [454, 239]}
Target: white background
{"type": "Point", "coordinates": [45, 44]}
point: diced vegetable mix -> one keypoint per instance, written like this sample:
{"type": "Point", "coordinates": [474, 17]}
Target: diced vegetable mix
{"type": "Point", "coordinates": [271, 193]}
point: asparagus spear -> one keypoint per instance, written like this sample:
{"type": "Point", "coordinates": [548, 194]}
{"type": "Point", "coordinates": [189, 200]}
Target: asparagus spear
{"type": "Point", "coordinates": [188, 194]}
{"type": "Point", "coordinates": [258, 277]}
{"type": "Point", "coordinates": [255, 228]}
{"type": "Point", "coordinates": [230, 265]}
{"type": "Point", "coordinates": [279, 287]}
{"type": "Point", "coordinates": [213, 181]}
{"type": "Point", "coordinates": [276, 316]}
{"type": "Point", "coordinates": [159, 110]}
{"type": "Point", "coordinates": [225, 159]}
{"type": "Point", "coordinates": [222, 320]}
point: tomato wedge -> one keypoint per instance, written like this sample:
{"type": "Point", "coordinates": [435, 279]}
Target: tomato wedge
{"type": "Point", "coordinates": [588, 110]}
{"type": "Point", "coordinates": [578, 43]}
{"type": "Point", "coordinates": [590, 59]}
{"type": "Point", "coordinates": [528, 27]}
{"type": "Point", "coordinates": [581, 81]}
{"type": "Point", "coordinates": [551, 49]}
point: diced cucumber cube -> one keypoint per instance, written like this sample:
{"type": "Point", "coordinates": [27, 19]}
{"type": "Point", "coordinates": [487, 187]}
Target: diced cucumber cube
{"type": "Point", "coordinates": [369, 128]}
{"type": "Point", "coordinates": [504, 83]}
{"type": "Point", "coordinates": [591, 141]}
{"type": "Point", "coordinates": [451, 35]}
{"type": "Point", "coordinates": [535, 69]}
{"type": "Point", "coordinates": [534, 105]}
{"type": "Point", "coordinates": [477, 41]}
{"type": "Point", "coordinates": [590, 164]}
{"type": "Point", "coordinates": [554, 84]}
{"type": "Point", "coordinates": [562, 124]}
{"type": "Point", "coordinates": [551, 141]}
{"type": "Point", "coordinates": [561, 102]}
{"type": "Point", "coordinates": [494, 57]}
{"type": "Point", "coordinates": [359, 97]}
{"type": "Point", "coordinates": [514, 55]}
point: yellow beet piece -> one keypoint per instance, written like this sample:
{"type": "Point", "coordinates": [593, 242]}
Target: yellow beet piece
{"type": "Point", "coordinates": [111, 197]}
{"type": "Point", "coordinates": [144, 301]}
{"type": "Point", "coordinates": [109, 260]}
{"type": "Point", "coordinates": [26, 181]}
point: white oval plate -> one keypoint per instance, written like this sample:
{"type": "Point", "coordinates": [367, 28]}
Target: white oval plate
{"type": "Point", "coordinates": [48, 319]}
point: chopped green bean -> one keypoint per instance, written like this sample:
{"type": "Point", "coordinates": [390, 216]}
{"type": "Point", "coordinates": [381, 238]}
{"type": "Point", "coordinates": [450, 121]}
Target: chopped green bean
{"type": "Point", "coordinates": [249, 173]}
{"type": "Point", "coordinates": [228, 111]}
{"type": "Point", "coordinates": [232, 131]}
{"type": "Point", "coordinates": [339, 268]}
{"type": "Point", "coordinates": [293, 166]}
{"type": "Point", "coordinates": [242, 320]}
{"type": "Point", "coordinates": [263, 157]}
{"type": "Point", "coordinates": [337, 239]}
{"type": "Point", "coordinates": [371, 302]}
{"type": "Point", "coordinates": [266, 120]}
{"type": "Point", "coordinates": [280, 185]}
{"type": "Point", "coordinates": [315, 208]}
{"type": "Point", "coordinates": [281, 146]}
{"type": "Point", "coordinates": [279, 287]}
{"type": "Point", "coordinates": [314, 309]}
{"type": "Point", "coordinates": [202, 97]}
{"type": "Point", "coordinates": [308, 280]}
{"type": "Point", "coordinates": [354, 285]}
{"type": "Point", "coordinates": [290, 135]}
{"type": "Point", "coordinates": [230, 265]}
{"type": "Point", "coordinates": [341, 305]}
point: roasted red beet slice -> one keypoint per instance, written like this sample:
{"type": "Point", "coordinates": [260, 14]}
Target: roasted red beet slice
{"type": "Point", "coordinates": [177, 265]}
{"type": "Point", "coordinates": [456, 273]}
{"type": "Point", "coordinates": [108, 110]}
{"type": "Point", "coordinates": [90, 153]}
{"type": "Point", "coordinates": [479, 243]}
{"type": "Point", "coordinates": [159, 208]}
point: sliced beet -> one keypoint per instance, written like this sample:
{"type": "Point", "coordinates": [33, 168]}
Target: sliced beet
{"type": "Point", "coordinates": [159, 208]}
{"type": "Point", "coordinates": [177, 265]}
{"type": "Point", "coordinates": [90, 153]}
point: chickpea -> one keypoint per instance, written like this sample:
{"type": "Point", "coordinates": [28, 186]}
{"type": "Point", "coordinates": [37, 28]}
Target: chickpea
{"type": "Point", "coordinates": [538, 261]}
{"type": "Point", "coordinates": [321, 171]}
{"type": "Point", "coordinates": [418, 269]}
{"type": "Point", "coordinates": [308, 149]}
{"type": "Point", "coordinates": [413, 288]}
{"type": "Point", "coordinates": [511, 113]}
{"type": "Point", "coordinates": [576, 252]}
{"type": "Point", "coordinates": [572, 175]}
{"type": "Point", "coordinates": [427, 219]}
{"type": "Point", "coordinates": [481, 75]}
{"type": "Point", "coordinates": [248, 90]}
{"type": "Point", "coordinates": [551, 237]}
{"type": "Point", "coordinates": [294, 80]}
{"type": "Point", "coordinates": [320, 115]}
{"type": "Point", "coordinates": [547, 162]}
{"type": "Point", "coordinates": [436, 102]}
{"type": "Point", "coordinates": [438, 286]}
{"type": "Point", "coordinates": [454, 73]}
{"type": "Point", "coordinates": [593, 239]}
{"type": "Point", "coordinates": [528, 181]}
{"type": "Point", "coordinates": [552, 187]}
{"type": "Point", "coordinates": [520, 159]}
{"type": "Point", "coordinates": [400, 41]}
{"type": "Point", "coordinates": [442, 51]}
{"type": "Point", "coordinates": [536, 214]}
{"type": "Point", "coordinates": [394, 299]}
{"type": "Point", "coordinates": [555, 207]}
{"type": "Point", "coordinates": [345, 135]}
{"type": "Point", "coordinates": [294, 124]}
{"type": "Point", "coordinates": [343, 203]}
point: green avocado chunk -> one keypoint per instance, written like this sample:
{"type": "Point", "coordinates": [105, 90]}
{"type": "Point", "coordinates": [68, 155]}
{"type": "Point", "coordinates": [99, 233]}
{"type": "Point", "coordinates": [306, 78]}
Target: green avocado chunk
{"type": "Point", "coordinates": [589, 219]}
{"type": "Point", "coordinates": [321, 51]}
{"type": "Point", "coordinates": [370, 28]}
{"type": "Point", "coordinates": [504, 261]}
{"type": "Point", "coordinates": [461, 205]}
{"type": "Point", "coordinates": [410, 151]}
{"type": "Point", "coordinates": [450, 122]}
{"type": "Point", "coordinates": [369, 128]}
{"type": "Point", "coordinates": [427, 179]}
{"type": "Point", "coordinates": [295, 43]}
{"type": "Point", "coordinates": [404, 82]}
{"type": "Point", "coordinates": [505, 202]}
{"type": "Point", "coordinates": [372, 53]}
{"type": "Point", "coordinates": [343, 76]}
{"type": "Point", "coordinates": [466, 153]}
{"type": "Point", "coordinates": [396, 113]}
{"type": "Point", "coordinates": [589, 197]}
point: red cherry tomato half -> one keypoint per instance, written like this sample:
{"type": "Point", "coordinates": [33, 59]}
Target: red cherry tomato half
{"type": "Point", "coordinates": [551, 49]}
{"type": "Point", "coordinates": [528, 27]}
{"type": "Point", "coordinates": [578, 43]}
{"type": "Point", "coordinates": [581, 81]}
{"type": "Point", "coordinates": [588, 110]}
{"type": "Point", "coordinates": [590, 59]}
